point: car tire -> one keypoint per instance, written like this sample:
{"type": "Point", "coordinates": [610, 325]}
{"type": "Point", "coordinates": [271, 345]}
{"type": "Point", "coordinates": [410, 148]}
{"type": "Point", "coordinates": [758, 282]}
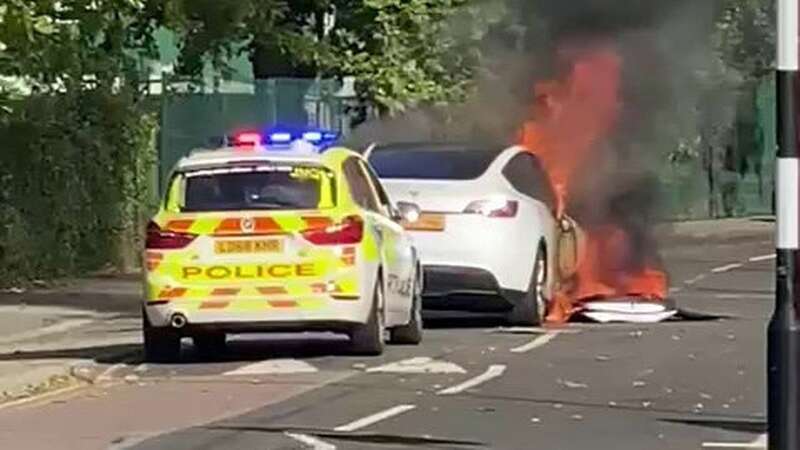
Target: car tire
{"type": "Point", "coordinates": [210, 345]}
{"type": "Point", "coordinates": [411, 333]}
{"type": "Point", "coordinates": [531, 308]}
{"type": "Point", "coordinates": [368, 339]}
{"type": "Point", "coordinates": [161, 345]}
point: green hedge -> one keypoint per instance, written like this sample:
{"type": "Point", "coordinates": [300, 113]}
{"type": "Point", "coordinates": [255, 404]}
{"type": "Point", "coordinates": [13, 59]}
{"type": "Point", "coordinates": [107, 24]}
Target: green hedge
{"type": "Point", "coordinates": [75, 177]}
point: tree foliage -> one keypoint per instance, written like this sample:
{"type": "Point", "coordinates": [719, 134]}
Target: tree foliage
{"type": "Point", "coordinates": [77, 137]}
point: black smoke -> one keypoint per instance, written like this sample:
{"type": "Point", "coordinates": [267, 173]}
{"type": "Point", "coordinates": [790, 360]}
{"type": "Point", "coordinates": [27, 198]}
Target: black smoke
{"type": "Point", "coordinates": [664, 44]}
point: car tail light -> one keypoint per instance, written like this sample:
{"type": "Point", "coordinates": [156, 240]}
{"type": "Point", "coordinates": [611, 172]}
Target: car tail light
{"type": "Point", "coordinates": [349, 231]}
{"type": "Point", "coordinates": [493, 207]}
{"type": "Point", "coordinates": [158, 239]}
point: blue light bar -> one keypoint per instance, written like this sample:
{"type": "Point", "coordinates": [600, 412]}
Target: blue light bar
{"type": "Point", "coordinates": [312, 136]}
{"type": "Point", "coordinates": [284, 136]}
{"type": "Point", "coordinates": [280, 138]}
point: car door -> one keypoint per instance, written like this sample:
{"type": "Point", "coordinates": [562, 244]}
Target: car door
{"type": "Point", "coordinates": [525, 173]}
{"type": "Point", "coordinates": [394, 248]}
{"type": "Point", "coordinates": [398, 247]}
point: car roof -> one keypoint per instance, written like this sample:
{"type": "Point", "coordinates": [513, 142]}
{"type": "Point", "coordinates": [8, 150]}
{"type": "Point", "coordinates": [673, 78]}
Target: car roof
{"type": "Point", "coordinates": [496, 148]}
{"type": "Point", "coordinates": [244, 154]}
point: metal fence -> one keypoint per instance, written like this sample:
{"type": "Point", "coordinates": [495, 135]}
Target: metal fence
{"type": "Point", "coordinates": [736, 180]}
{"type": "Point", "coordinates": [732, 179]}
{"type": "Point", "coordinates": [197, 120]}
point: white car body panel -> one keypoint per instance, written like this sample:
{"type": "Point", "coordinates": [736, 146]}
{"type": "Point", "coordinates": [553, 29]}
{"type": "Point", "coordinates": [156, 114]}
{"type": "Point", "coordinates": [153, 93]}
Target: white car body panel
{"type": "Point", "coordinates": [504, 247]}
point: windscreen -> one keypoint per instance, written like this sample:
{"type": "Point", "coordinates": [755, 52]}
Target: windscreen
{"type": "Point", "coordinates": [263, 187]}
{"type": "Point", "coordinates": [431, 163]}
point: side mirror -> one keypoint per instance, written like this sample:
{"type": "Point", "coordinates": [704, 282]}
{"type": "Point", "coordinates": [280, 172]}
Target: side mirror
{"type": "Point", "coordinates": [406, 211]}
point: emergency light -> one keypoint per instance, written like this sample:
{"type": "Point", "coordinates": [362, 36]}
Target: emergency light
{"type": "Point", "coordinates": [284, 137]}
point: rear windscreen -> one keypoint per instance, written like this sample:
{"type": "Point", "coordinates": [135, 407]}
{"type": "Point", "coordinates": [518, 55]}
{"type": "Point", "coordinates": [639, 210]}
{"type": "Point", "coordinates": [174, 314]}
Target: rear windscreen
{"type": "Point", "coordinates": [431, 164]}
{"type": "Point", "coordinates": [283, 187]}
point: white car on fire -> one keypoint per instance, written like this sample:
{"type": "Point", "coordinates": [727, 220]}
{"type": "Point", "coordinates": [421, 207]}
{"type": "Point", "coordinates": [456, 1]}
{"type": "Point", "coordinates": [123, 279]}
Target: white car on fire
{"type": "Point", "coordinates": [487, 233]}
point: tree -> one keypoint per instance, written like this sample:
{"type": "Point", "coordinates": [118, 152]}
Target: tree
{"type": "Point", "coordinates": [400, 52]}
{"type": "Point", "coordinates": [76, 135]}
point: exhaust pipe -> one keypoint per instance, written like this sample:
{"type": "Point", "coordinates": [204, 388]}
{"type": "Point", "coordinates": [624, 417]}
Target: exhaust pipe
{"type": "Point", "coordinates": [178, 321]}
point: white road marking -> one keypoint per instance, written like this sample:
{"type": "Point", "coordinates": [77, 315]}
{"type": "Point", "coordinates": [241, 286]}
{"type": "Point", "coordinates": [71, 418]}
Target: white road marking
{"type": "Point", "coordinates": [696, 279]}
{"type": "Point", "coordinates": [421, 364]}
{"type": "Point", "coordinates": [762, 258]}
{"type": "Point", "coordinates": [536, 343]}
{"type": "Point", "coordinates": [374, 418]}
{"type": "Point", "coordinates": [493, 371]}
{"type": "Point", "coordinates": [727, 268]}
{"type": "Point", "coordinates": [761, 442]}
{"type": "Point", "coordinates": [311, 441]}
{"type": "Point", "coordinates": [106, 375]}
{"type": "Point", "coordinates": [274, 367]}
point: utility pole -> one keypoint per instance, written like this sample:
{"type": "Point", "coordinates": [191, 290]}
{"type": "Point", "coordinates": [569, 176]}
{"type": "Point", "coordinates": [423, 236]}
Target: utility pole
{"type": "Point", "coordinates": [783, 353]}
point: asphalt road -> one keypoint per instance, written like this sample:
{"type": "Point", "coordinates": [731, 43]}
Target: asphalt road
{"type": "Point", "coordinates": [688, 384]}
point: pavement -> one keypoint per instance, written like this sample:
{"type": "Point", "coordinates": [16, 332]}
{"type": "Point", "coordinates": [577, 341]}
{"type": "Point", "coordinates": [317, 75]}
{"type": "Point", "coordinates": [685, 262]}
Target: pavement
{"type": "Point", "coordinates": [693, 383]}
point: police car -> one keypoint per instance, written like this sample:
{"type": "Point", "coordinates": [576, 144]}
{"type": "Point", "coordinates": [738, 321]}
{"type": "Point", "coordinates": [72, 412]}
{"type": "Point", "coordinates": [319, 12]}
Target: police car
{"type": "Point", "coordinates": [278, 232]}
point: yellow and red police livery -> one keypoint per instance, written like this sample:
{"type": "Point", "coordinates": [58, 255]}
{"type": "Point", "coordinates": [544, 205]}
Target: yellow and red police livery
{"type": "Point", "coordinates": [255, 238]}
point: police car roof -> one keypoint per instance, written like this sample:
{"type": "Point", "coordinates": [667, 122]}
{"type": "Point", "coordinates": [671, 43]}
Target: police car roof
{"type": "Point", "coordinates": [244, 154]}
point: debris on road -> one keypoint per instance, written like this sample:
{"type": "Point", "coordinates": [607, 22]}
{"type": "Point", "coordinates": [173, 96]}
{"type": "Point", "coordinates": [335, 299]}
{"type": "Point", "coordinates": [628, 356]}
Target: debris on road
{"type": "Point", "coordinates": [572, 384]}
{"type": "Point", "coordinates": [639, 383]}
{"type": "Point", "coordinates": [602, 358]}
{"type": "Point", "coordinates": [632, 310]}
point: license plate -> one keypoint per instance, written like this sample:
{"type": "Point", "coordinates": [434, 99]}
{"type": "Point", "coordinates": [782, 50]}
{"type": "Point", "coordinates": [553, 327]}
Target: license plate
{"type": "Point", "coordinates": [427, 222]}
{"type": "Point", "coordinates": [248, 246]}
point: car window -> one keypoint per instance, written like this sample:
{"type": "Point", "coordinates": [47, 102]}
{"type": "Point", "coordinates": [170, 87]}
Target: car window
{"type": "Point", "coordinates": [434, 163]}
{"type": "Point", "coordinates": [525, 172]}
{"type": "Point", "coordinates": [360, 187]}
{"type": "Point", "coordinates": [262, 187]}
{"type": "Point", "coordinates": [383, 197]}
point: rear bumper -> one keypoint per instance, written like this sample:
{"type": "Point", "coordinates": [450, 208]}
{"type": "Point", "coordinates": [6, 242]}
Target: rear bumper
{"type": "Point", "coordinates": [505, 249]}
{"type": "Point", "coordinates": [257, 315]}
{"type": "Point", "coordinates": [460, 288]}
{"type": "Point", "coordinates": [268, 327]}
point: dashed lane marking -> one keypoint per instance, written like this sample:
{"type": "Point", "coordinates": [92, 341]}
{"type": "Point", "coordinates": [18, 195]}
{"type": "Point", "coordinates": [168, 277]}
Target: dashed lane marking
{"type": "Point", "coordinates": [311, 441]}
{"type": "Point", "coordinates": [493, 371]}
{"type": "Point", "coordinates": [375, 418]}
{"type": "Point", "coordinates": [762, 258]}
{"type": "Point", "coordinates": [421, 364]}
{"type": "Point", "coordinates": [727, 268]}
{"type": "Point", "coordinates": [696, 279]}
{"type": "Point", "coordinates": [536, 343]}
{"type": "Point", "coordinates": [274, 367]}
{"type": "Point", "coordinates": [761, 442]}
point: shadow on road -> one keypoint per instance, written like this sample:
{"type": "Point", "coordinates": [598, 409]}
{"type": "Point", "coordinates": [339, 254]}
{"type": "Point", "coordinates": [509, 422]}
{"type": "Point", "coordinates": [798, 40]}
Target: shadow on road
{"type": "Point", "coordinates": [742, 425]}
{"type": "Point", "coordinates": [107, 354]}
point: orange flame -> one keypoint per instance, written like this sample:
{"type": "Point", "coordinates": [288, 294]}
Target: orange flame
{"type": "Point", "coordinates": [570, 117]}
